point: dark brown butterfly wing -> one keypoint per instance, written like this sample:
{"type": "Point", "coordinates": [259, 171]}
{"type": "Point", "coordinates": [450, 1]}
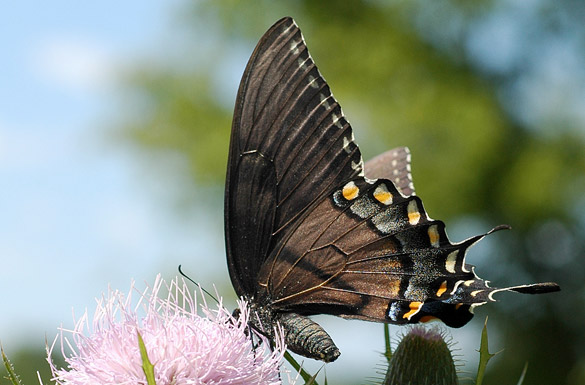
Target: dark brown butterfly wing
{"type": "Point", "coordinates": [394, 165]}
{"type": "Point", "coordinates": [290, 144]}
{"type": "Point", "coordinates": [368, 252]}
{"type": "Point", "coordinates": [309, 231]}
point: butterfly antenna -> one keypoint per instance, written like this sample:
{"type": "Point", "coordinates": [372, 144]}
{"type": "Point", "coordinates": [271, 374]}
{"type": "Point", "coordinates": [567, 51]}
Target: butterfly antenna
{"type": "Point", "coordinates": [198, 285]}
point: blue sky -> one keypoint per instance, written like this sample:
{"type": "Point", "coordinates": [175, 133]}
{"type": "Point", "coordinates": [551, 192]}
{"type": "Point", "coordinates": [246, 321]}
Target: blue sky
{"type": "Point", "coordinates": [75, 212]}
{"type": "Point", "coordinates": [78, 212]}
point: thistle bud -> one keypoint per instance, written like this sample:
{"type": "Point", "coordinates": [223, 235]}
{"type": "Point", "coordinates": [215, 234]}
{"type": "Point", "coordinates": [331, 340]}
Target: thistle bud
{"type": "Point", "coordinates": [422, 357]}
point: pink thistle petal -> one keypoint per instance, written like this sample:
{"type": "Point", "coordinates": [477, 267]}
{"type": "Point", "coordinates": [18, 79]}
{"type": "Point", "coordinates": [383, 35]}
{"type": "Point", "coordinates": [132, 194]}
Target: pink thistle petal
{"type": "Point", "coordinates": [184, 347]}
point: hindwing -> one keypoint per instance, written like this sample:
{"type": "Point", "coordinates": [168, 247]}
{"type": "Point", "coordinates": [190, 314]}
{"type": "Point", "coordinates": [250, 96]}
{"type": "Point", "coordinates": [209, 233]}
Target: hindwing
{"type": "Point", "coordinates": [369, 252]}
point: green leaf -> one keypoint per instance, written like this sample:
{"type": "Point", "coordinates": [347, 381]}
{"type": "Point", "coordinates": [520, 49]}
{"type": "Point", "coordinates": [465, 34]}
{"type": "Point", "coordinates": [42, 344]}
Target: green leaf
{"type": "Point", "coordinates": [309, 380]}
{"type": "Point", "coordinates": [484, 355]}
{"type": "Point", "coordinates": [147, 366]}
{"type": "Point", "coordinates": [12, 376]}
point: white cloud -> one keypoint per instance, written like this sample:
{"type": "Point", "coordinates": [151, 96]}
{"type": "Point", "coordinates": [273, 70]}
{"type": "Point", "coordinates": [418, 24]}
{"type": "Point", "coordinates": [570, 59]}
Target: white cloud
{"type": "Point", "coordinates": [74, 63]}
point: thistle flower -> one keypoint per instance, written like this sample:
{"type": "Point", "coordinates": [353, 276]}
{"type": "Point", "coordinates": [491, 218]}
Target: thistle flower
{"type": "Point", "coordinates": [184, 347]}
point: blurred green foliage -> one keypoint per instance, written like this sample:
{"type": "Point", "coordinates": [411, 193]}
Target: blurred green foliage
{"type": "Point", "coordinates": [404, 76]}
{"type": "Point", "coordinates": [402, 84]}
{"type": "Point", "coordinates": [30, 363]}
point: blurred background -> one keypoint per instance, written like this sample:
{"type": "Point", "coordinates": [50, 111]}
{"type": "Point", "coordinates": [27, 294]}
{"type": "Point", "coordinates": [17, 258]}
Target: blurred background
{"type": "Point", "coordinates": [114, 129]}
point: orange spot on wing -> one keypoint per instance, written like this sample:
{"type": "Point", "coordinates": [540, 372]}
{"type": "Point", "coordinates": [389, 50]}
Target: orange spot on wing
{"type": "Point", "coordinates": [413, 218]}
{"type": "Point", "coordinates": [434, 235]}
{"type": "Point", "coordinates": [413, 213]}
{"type": "Point", "coordinates": [350, 191]}
{"type": "Point", "coordinates": [383, 195]}
{"type": "Point", "coordinates": [428, 318]}
{"type": "Point", "coordinates": [442, 289]}
{"type": "Point", "coordinates": [414, 307]}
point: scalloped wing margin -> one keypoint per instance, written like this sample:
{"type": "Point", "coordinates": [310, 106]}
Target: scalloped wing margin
{"type": "Point", "coordinates": [372, 253]}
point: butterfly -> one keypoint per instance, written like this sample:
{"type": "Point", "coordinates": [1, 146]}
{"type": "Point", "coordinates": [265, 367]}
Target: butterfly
{"type": "Point", "coordinates": [310, 229]}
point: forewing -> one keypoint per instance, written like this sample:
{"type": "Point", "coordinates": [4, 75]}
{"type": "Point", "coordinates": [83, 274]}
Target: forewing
{"type": "Point", "coordinates": [368, 252]}
{"type": "Point", "coordinates": [290, 145]}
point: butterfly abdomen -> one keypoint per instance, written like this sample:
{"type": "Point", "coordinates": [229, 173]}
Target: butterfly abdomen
{"type": "Point", "coordinates": [305, 337]}
{"type": "Point", "coordinates": [302, 335]}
